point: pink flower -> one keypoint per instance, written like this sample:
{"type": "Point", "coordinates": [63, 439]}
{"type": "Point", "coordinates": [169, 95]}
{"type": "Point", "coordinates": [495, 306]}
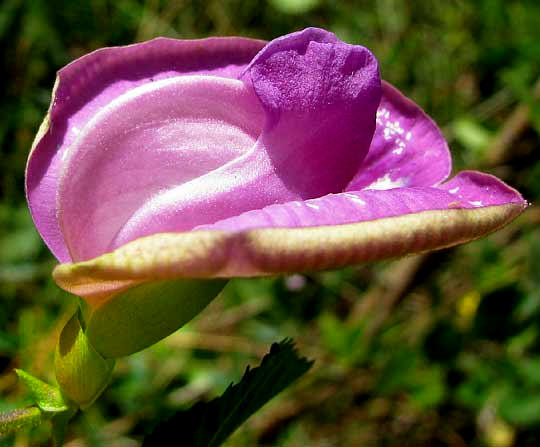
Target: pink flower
{"type": "Point", "coordinates": [229, 157]}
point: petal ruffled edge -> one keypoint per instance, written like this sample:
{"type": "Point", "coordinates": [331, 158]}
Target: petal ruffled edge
{"type": "Point", "coordinates": [85, 84]}
{"type": "Point", "coordinates": [273, 251]}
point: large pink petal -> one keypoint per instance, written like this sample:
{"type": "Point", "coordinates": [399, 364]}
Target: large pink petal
{"type": "Point", "coordinates": [320, 96]}
{"type": "Point", "coordinates": [408, 149]}
{"type": "Point", "coordinates": [89, 83]}
{"type": "Point", "coordinates": [329, 232]}
{"type": "Point", "coordinates": [468, 189]}
{"type": "Point", "coordinates": [161, 136]}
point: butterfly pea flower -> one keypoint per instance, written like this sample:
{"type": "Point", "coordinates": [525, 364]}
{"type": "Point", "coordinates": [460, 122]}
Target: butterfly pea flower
{"type": "Point", "coordinates": [166, 167]}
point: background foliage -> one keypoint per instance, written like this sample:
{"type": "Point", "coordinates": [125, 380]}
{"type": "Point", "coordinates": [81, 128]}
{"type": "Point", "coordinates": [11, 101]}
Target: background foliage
{"type": "Point", "coordinates": [436, 350]}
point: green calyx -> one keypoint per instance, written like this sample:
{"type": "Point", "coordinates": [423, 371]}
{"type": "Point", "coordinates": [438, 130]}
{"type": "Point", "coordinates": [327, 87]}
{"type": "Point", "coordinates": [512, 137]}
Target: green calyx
{"type": "Point", "coordinates": [94, 337]}
{"type": "Point", "coordinates": [127, 323]}
{"type": "Point", "coordinates": [81, 371]}
{"type": "Point", "coordinates": [143, 315]}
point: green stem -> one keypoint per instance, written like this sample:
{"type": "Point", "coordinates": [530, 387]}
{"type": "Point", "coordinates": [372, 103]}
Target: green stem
{"type": "Point", "coordinates": [18, 419]}
{"type": "Point", "coordinates": [59, 425]}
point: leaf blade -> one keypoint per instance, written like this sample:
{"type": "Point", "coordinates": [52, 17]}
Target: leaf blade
{"type": "Point", "coordinates": [210, 423]}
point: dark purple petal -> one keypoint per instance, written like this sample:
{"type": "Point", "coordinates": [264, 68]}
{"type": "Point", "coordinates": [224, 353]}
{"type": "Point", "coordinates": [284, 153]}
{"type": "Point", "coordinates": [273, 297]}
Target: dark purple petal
{"type": "Point", "coordinates": [320, 95]}
{"type": "Point", "coordinates": [89, 83]}
{"type": "Point", "coordinates": [408, 149]}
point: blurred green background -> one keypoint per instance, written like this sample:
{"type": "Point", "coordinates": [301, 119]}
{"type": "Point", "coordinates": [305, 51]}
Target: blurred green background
{"type": "Point", "coordinates": [434, 350]}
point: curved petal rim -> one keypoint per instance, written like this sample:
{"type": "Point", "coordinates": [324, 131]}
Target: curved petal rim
{"type": "Point", "coordinates": [273, 251]}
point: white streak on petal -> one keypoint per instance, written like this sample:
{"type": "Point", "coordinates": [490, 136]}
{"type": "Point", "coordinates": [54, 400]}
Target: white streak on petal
{"type": "Point", "coordinates": [65, 154]}
{"type": "Point", "coordinates": [357, 200]}
{"type": "Point", "coordinates": [387, 183]}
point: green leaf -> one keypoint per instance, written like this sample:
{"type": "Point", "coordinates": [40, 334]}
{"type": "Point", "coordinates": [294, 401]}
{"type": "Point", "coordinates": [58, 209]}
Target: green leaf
{"type": "Point", "coordinates": [529, 370]}
{"type": "Point", "coordinates": [209, 424]}
{"type": "Point", "coordinates": [295, 7]}
{"type": "Point", "coordinates": [521, 407]}
{"type": "Point", "coordinates": [47, 397]}
{"type": "Point", "coordinates": [472, 135]}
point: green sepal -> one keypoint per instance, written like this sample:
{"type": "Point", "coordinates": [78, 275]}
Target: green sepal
{"type": "Point", "coordinates": [145, 314]}
{"type": "Point", "coordinates": [81, 371]}
{"type": "Point", "coordinates": [47, 397]}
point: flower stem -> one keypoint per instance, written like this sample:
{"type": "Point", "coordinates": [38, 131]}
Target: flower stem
{"type": "Point", "coordinates": [18, 419]}
{"type": "Point", "coordinates": [59, 425]}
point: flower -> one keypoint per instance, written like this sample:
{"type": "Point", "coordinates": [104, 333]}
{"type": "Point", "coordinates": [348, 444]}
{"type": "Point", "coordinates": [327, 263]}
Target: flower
{"type": "Point", "coordinates": [185, 157]}
{"type": "Point", "coordinates": [232, 157]}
